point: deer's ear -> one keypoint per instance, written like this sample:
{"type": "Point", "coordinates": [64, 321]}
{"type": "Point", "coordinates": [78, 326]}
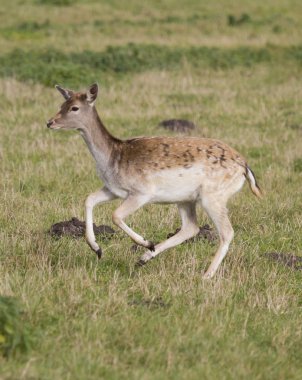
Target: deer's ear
{"type": "Point", "coordinates": [67, 94]}
{"type": "Point", "coordinates": [92, 93]}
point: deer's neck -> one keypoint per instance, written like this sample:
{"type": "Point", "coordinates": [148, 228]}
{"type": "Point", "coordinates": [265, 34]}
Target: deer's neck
{"type": "Point", "coordinates": [100, 143]}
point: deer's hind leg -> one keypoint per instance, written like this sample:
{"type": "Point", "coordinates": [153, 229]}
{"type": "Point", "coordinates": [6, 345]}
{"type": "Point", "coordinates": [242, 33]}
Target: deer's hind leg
{"type": "Point", "coordinates": [188, 230]}
{"type": "Point", "coordinates": [217, 211]}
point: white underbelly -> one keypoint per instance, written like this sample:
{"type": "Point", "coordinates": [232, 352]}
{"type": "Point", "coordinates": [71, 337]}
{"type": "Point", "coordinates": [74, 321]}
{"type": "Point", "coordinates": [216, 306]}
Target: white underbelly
{"type": "Point", "coordinates": [177, 185]}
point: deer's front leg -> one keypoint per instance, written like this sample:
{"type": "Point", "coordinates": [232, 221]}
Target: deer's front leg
{"type": "Point", "coordinates": [128, 207]}
{"type": "Point", "coordinates": [101, 196]}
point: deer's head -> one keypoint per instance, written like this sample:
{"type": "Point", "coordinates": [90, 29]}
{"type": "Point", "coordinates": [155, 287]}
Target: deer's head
{"type": "Point", "coordinates": [77, 109]}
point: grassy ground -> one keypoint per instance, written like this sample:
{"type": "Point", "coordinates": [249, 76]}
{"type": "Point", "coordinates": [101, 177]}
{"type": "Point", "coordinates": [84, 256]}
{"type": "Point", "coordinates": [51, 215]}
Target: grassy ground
{"type": "Point", "coordinates": [234, 68]}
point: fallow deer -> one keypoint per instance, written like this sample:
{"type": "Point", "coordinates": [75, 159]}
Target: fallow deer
{"type": "Point", "coordinates": [181, 170]}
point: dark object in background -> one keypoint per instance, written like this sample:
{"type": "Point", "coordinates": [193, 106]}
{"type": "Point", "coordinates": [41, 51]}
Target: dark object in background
{"type": "Point", "coordinates": [205, 233]}
{"type": "Point", "coordinates": [295, 127]}
{"type": "Point", "coordinates": [178, 125]}
{"type": "Point", "coordinates": [76, 228]}
{"type": "Point", "coordinates": [134, 247]}
{"type": "Point", "coordinates": [153, 303]}
{"type": "Point", "coordinates": [235, 21]}
{"type": "Point", "coordinates": [287, 259]}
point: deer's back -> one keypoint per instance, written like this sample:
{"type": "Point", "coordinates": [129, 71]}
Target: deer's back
{"type": "Point", "coordinates": [161, 153]}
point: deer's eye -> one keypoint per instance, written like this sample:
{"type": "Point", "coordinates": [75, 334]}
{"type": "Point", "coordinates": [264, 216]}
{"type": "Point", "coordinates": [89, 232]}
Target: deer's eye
{"type": "Point", "coordinates": [74, 108]}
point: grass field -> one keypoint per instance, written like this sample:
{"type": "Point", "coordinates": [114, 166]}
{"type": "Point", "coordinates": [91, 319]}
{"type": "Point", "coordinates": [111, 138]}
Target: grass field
{"type": "Point", "coordinates": [232, 67]}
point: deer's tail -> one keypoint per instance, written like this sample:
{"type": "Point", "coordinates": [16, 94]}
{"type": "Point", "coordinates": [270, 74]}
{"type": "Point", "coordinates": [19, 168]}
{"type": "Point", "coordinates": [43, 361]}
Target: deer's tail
{"type": "Point", "coordinates": [253, 182]}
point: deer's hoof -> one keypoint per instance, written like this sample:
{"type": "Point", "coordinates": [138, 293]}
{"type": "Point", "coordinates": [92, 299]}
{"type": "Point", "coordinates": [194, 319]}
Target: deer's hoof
{"type": "Point", "coordinates": [151, 246]}
{"type": "Point", "coordinates": [208, 275]}
{"type": "Point", "coordinates": [99, 253]}
{"type": "Point", "coordinates": [140, 263]}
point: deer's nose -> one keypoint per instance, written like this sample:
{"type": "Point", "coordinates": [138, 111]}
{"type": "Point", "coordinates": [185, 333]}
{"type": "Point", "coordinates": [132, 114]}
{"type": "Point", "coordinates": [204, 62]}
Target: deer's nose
{"type": "Point", "coordinates": [49, 123]}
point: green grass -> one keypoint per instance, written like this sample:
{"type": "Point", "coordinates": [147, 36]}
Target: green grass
{"type": "Point", "coordinates": [65, 315]}
{"type": "Point", "coordinates": [51, 66]}
{"type": "Point", "coordinates": [14, 334]}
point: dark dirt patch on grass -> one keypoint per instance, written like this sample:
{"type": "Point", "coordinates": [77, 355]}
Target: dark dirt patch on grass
{"type": "Point", "coordinates": [238, 20]}
{"type": "Point", "coordinates": [178, 125]}
{"type": "Point", "coordinates": [76, 228]}
{"type": "Point", "coordinates": [205, 233]}
{"type": "Point", "coordinates": [287, 259]}
{"type": "Point", "coordinates": [155, 303]}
